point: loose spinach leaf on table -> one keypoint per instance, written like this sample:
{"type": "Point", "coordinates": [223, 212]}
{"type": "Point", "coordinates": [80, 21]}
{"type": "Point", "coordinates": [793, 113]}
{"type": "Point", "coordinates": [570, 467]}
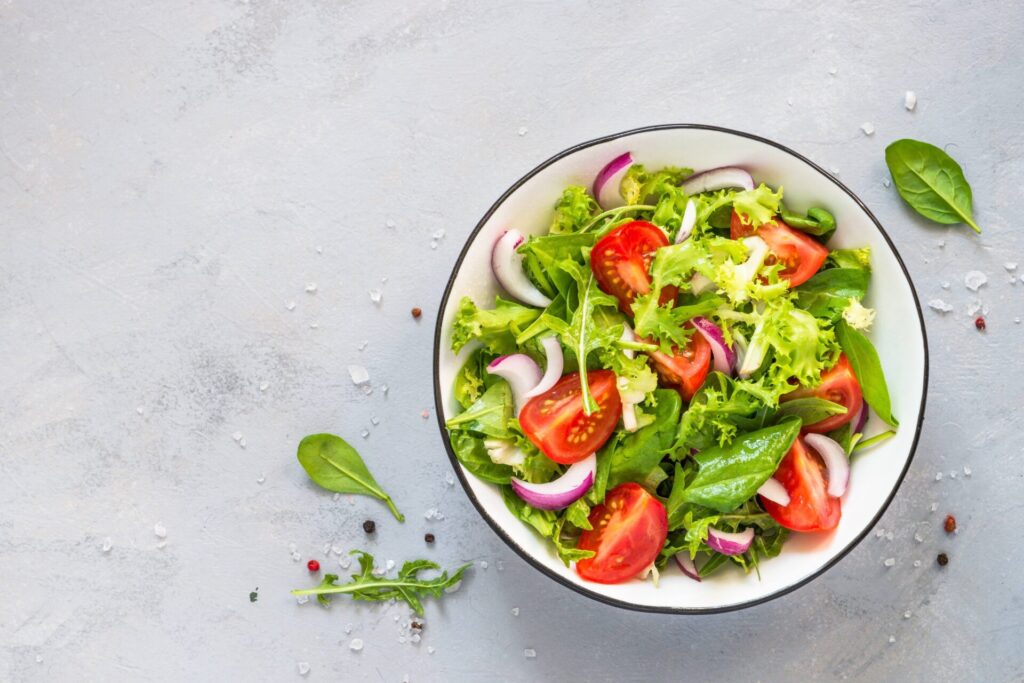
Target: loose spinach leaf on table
{"type": "Point", "coordinates": [827, 294]}
{"type": "Point", "coordinates": [728, 476]}
{"type": "Point", "coordinates": [868, 370]}
{"type": "Point", "coordinates": [810, 409]}
{"type": "Point", "coordinates": [637, 454]}
{"type": "Point", "coordinates": [336, 466]}
{"type": "Point", "coordinates": [931, 182]}
{"type": "Point", "coordinates": [407, 586]}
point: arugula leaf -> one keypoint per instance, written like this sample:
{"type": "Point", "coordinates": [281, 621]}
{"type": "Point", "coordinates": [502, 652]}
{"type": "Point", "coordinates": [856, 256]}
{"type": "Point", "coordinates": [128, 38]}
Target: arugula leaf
{"type": "Point", "coordinates": [728, 476]}
{"type": "Point", "coordinates": [573, 210]}
{"type": "Point", "coordinates": [868, 370]}
{"type": "Point", "coordinates": [407, 586]}
{"type": "Point", "coordinates": [334, 465]}
{"type": "Point", "coordinates": [931, 182]}
{"type": "Point", "coordinates": [810, 410]}
{"type": "Point", "coordinates": [828, 293]}
{"type": "Point", "coordinates": [817, 222]}
{"type": "Point", "coordinates": [472, 453]}
{"type": "Point", "coordinates": [496, 328]}
{"type": "Point", "coordinates": [489, 415]}
{"type": "Point", "coordinates": [637, 454]}
{"type": "Point", "coordinates": [541, 256]}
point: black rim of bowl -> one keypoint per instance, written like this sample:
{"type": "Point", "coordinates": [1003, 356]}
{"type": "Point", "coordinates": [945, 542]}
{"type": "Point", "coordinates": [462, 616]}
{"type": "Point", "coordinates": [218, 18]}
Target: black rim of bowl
{"type": "Point", "coordinates": [583, 590]}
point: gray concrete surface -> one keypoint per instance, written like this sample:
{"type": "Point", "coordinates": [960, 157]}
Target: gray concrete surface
{"type": "Point", "coordinates": [171, 172]}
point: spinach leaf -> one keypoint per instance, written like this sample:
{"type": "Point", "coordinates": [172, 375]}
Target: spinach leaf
{"type": "Point", "coordinates": [541, 256]}
{"type": "Point", "coordinates": [868, 370]}
{"type": "Point", "coordinates": [810, 409]}
{"type": "Point", "coordinates": [407, 586]}
{"type": "Point", "coordinates": [876, 439]}
{"type": "Point", "coordinates": [334, 465]}
{"type": "Point", "coordinates": [931, 182]}
{"type": "Point", "coordinates": [637, 454]}
{"type": "Point", "coordinates": [818, 221]}
{"type": "Point", "coordinates": [844, 437]}
{"type": "Point", "coordinates": [489, 415]}
{"type": "Point", "coordinates": [543, 521]}
{"type": "Point", "coordinates": [827, 294]}
{"type": "Point", "coordinates": [728, 476]}
{"type": "Point", "coordinates": [472, 453]}
{"type": "Point", "coordinates": [604, 464]}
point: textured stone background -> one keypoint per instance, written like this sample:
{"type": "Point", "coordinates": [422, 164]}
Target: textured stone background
{"type": "Point", "coordinates": [167, 172]}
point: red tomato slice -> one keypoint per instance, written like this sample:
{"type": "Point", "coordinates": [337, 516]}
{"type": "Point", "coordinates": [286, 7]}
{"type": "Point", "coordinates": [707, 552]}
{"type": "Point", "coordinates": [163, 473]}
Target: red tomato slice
{"type": "Point", "coordinates": [621, 261]}
{"type": "Point", "coordinates": [810, 507]}
{"type": "Point", "coordinates": [629, 531]}
{"type": "Point", "coordinates": [685, 370]}
{"type": "Point", "coordinates": [555, 421]}
{"type": "Point", "coordinates": [838, 385]}
{"type": "Point", "coordinates": [802, 255]}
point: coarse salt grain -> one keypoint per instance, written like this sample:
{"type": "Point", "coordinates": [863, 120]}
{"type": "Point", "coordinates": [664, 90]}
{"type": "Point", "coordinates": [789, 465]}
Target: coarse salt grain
{"type": "Point", "coordinates": [515, 611]}
{"type": "Point", "coordinates": [303, 668]}
{"type": "Point", "coordinates": [973, 279]}
{"type": "Point", "coordinates": [264, 386]}
{"type": "Point", "coordinates": [867, 128]}
{"type": "Point", "coordinates": [529, 653]}
{"type": "Point", "coordinates": [934, 507]}
{"type": "Point", "coordinates": [880, 533]}
{"type": "Point", "coordinates": [889, 561]}
{"type": "Point", "coordinates": [918, 537]}
{"type": "Point", "coordinates": [290, 305]}
{"type": "Point", "coordinates": [302, 599]}
{"type": "Point", "coordinates": [311, 287]}
{"type": "Point", "coordinates": [483, 564]}
{"type": "Point", "coordinates": [892, 639]}
{"type": "Point", "coordinates": [889, 535]}
{"type": "Point", "coordinates": [108, 543]}
{"type": "Point", "coordinates": [160, 530]}
{"type": "Point", "coordinates": [449, 479]}
{"type": "Point", "coordinates": [358, 374]}
{"type": "Point", "coordinates": [237, 436]}
{"type": "Point", "coordinates": [967, 471]}
{"type": "Point", "coordinates": [910, 100]}
{"type": "Point", "coordinates": [356, 644]}
{"type": "Point", "coordinates": [522, 131]}
{"type": "Point", "coordinates": [906, 615]}
{"type": "Point", "coordinates": [917, 563]}
{"type": "Point", "coordinates": [430, 649]}
{"type": "Point", "coordinates": [389, 565]}
{"type": "Point", "coordinates": [376, 296]}
{"type": "Point", "coordinates": [365, 433]}
{"type": "Point", "coordinates": [296, 556]}
{"type": "Point", "coordinates": [940, 306]}
{"type": "Point", "coordinates": [887, 182]}
{"type": "Point", "coordinates": [938, 476]}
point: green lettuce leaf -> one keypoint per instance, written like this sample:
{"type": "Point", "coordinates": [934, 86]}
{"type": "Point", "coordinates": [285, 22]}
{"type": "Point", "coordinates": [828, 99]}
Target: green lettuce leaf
{"type": "Point", "coordinates": [496, 329]}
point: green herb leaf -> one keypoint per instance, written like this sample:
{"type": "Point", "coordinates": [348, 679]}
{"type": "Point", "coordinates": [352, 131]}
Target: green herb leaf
{"type": "Point", "coordinates": [868, 370]}
{"type": "Point", "coordinates": [931, 182]}
{"type": "Point", "coordinates": [573, 210]}
{"type": "Point", "coordinates": [817, 222]}
{"type": "Point", "coordinates": [810, 410]}
{"type": "Point", "coordinates": [874, 440]}
{"type": "Point", "coordinates": [495, 328]}
{"type": "Point", "coordinates": [336, 466]}
{"type": "Point", "coordinates": [543, 521]}
{"type": "Point", "coordinates": [727, 477]}
{"type": "Point", "coordinates": [827, 294]}
{"type": "Point", "coordinates": [472, 453]}
{"type": "Point", "coordinates": [489, 415]}
{"type": "Point", "coordinates": [407, 586]}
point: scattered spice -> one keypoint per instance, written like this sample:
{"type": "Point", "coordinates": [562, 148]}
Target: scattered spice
{"type": "Point", "coordinates": [942, 559]}
{"type": "Point", "coordinates": [979, 322]}
{"type": "Point", "coordinates": [429, 538]}
{"type": "Point", "coordinates": [369, 526]}
{"type": "Point", "coordinates": [950, 524]}
{"type": "Point", "coordinates": [417, 312]}
{"type": "Point", "coordinates": [416, 626]}
{"type": "Point", "coordinates": [313, 566]}
{"type": "Point", "coordinates": [254, 595]}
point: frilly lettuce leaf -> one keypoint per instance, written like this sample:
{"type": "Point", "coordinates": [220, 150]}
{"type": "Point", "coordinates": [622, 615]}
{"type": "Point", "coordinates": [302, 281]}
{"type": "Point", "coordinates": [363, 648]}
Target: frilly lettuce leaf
{"type": "Point", "coordinates": [496, 328]}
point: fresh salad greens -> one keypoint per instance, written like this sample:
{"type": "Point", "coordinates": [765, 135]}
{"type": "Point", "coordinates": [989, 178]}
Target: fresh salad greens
{"type": "Point", "coordinates": [334, 465]}
{"type": "Point", "coordinates": [407, 586]}
{"type": "Point", "coordinates": [931, 182]}
{"type": "Point", "coordinates": [715, 373]}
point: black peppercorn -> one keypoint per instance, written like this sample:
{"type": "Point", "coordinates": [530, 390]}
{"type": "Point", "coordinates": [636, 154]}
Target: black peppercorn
{"type": "Point", "coordinates": [369, 526]}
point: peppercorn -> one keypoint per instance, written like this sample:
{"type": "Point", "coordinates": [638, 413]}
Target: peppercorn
{"type": "Point", "coordinates": [429, 538]}
{"type": "Point", "coordinates": [950, 524]}
{"type": "Point", "coordinates": [369, 526]}
{"type": "Point", "coordinates": [417, 312]}
{"type": "Point", "coordinates": [979, 322]}
{"type": "Point", "coordinates": [942, 559]}
{"type": "Point", "coordinates": [416, 626]}
{"type": "Point", "coordinates": [313, 566]}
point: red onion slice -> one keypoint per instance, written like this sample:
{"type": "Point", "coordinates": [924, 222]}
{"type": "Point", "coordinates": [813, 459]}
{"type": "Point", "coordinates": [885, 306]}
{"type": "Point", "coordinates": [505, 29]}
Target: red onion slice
{"type": "Point", "coordinates": [774, 491]}
{"type": "Point", "coordinates": [520, 371]}
{"type": "Point", "coordinates": [553, 370]}
{"type": "Point", "coordinates": [507, 264]}
{"type": "Point", "coordinates": [861, 419]}
{"type": "Point", "coordinates": [836, 462]}
{"type": "Point", "coordinates": [562, 492]}
{"type": "Point", "coordinates": [730, 543]}
{"type": "Point", "coordinates": [718, 179]}
{"type": "Point", "coordinates": [725, 357]}
{"type": "Point", "coordinates": [687, 564]}
{"type": "Point", "coordinates": [606, 184]}
{"type": "Point", "coordinates": [688, 222]}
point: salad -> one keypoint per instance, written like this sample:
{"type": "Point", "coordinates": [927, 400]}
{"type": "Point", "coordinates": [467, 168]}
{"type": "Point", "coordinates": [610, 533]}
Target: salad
{"type": "Point", "coordinates": [679, 370]}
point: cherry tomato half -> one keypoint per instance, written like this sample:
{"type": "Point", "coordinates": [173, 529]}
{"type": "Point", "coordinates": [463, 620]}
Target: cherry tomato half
{"type": "Point", "coordinates": [810, 507]}
{"type": "Point", "coordinates": [801, 255]}
{"type": "Point", "coordinates": [621, 261]}
{"type": "Point", "coordinates": [687, 369]}
{"type": "Point", "coordinates": [629, 530]}
{"type": "Point", "coordinates": [556, 423]}
{"type": "Point", "coordinates": [838, 385]}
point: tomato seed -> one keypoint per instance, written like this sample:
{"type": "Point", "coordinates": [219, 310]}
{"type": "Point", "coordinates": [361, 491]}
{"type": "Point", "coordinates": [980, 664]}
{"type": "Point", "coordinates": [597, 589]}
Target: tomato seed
{"type": "Point", "coordinates": [942, 559]}
{"type": "Point", "coordinates": [979, 322]}
{"type": "Point", "coordinates": [369, 526]}
{"type": "Point", "coordinates": [313, 566]}
{"type": "Point", "coordinates": [417, 312]}
{"type": "Point", "coordinates": [950, 524]}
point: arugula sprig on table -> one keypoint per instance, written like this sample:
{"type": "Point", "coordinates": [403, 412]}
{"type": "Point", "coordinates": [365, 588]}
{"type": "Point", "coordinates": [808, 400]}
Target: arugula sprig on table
{"type": "Point", "coordinates": [408, 586]}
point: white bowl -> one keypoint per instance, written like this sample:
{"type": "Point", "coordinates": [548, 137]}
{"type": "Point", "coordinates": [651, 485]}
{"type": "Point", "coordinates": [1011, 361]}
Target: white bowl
{"type": "Point", "coordinates": [898, 334]}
